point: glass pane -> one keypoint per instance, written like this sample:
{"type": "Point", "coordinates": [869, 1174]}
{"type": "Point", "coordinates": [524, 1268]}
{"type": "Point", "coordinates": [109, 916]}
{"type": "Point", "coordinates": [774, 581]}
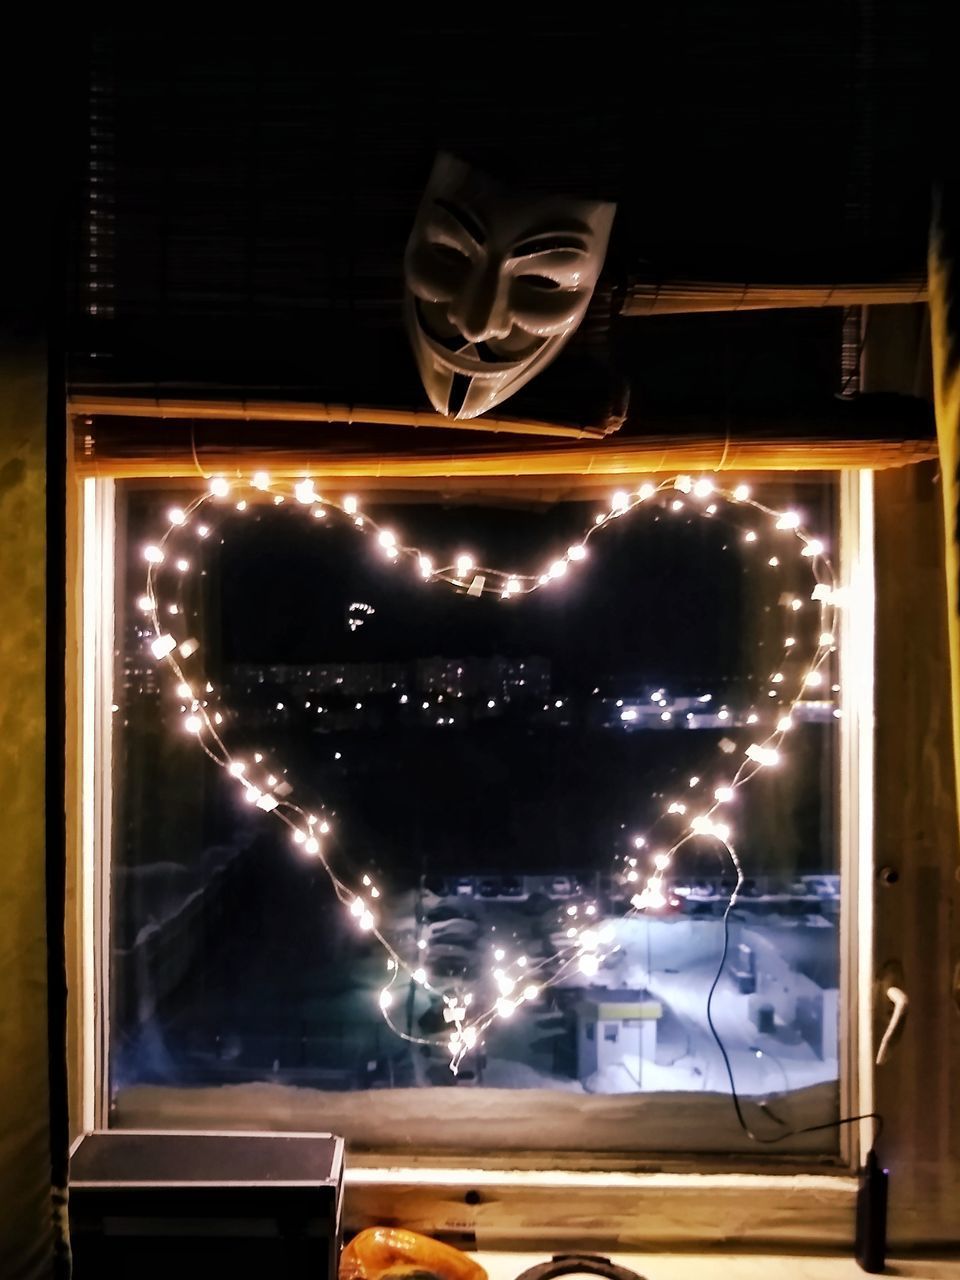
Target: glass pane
{"type": "Point", "coordinates": [501, 776]}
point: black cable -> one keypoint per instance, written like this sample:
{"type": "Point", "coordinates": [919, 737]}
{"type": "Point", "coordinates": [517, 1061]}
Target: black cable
{"type": "Point", "coordinates": [734, 1096]}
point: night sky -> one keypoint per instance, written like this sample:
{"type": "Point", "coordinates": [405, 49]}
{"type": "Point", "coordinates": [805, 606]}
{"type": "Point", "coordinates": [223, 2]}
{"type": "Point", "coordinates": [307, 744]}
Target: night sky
{"type": "Point", "coordinates": [663, 599]}
{"type": "Point", "coordinates": [658, 596]}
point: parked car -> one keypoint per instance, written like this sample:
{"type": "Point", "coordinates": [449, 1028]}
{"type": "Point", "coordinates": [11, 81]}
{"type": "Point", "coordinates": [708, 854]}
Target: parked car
{"type": "Point", "coordinates": [441, 968]}
{"type": "Point", "coordinates": [511, 887]}
{"type": "Point", "coordinates": [451, 909]}
{"type": "Point", "coordinates": [455, 930]}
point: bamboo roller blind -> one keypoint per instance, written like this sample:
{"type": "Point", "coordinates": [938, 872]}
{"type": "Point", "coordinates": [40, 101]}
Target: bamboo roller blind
{"type": "Point", "coordinates": [151, 439]}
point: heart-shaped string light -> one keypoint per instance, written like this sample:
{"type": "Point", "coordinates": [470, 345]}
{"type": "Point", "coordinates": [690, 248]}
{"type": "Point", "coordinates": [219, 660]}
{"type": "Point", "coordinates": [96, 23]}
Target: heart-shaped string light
{"type": "Point", "coordinates": [585, 945]}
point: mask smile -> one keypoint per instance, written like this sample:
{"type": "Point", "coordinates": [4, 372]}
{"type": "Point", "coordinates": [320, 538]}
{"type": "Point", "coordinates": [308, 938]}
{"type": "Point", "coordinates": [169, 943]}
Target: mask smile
{"type": "Point", "coordinates": [471, 359]}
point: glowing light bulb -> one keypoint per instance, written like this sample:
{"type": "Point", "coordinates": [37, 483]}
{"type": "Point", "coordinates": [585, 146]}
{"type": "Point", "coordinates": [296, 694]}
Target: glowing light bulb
{"type": "Point", "coordinates": [773, 561]}
{"type": "Point", "coordinates": [723, 795]}
{"type": "Point", "coordinates": [788, 520]}
{"type": "Point", "coordinates": [350, 505]}
{"type": "Point", "coordinates": [176, 515]}
{"type": "Point", "coordinates": [784, 724]}
{"type": "Point", "coordinates": [387, 538]}
{"type": "Point", "coordinates": [385, 999]}
{"type": "Point", "coordinates": [676, 807]}
{"type": "Point", "coordinates": [183, 565]}
{"type": "Point", "coordinates": [506, 985]}
{"type": "Point", "coordinates": [531, 992]}
{"type": "Point", "coordinates": [145, 603]}
{"type": "Point", "coordinates": [193, 724]}
{"type": "Point", "coordinates": [702, 489]}
{"type": "Point", "coordinates": [620, 500]}
{"type": "Point", "coordinates": [203, 530]}
{"type": "Point", "coordinates": [506, 1008]}
{"type": "Point", "coordinates": [420, 975]}
{"type": "Point", "coordinates": [153, 554]}
{"type": "Point", "coordinates": [638, 842]}
{"type": "Point", "coordinates": [653, 898]}
{"type": "Point", "coordinates": [589, 964]}
{"type": "Point", "coordinates": [366, 921]}
{"type": "Point", "coordinates": [260, 480]}
{"type": "Point", "coordinates": [464, 565]}
{"type": "Point", "coordinates": [763, 755]}
{"type": "Point", "coordinates": [513, 585]}
{"type": "Point", "coordinates": [588, 940]}
{"type": "Point", "coordinates": [826, 637]}
{"type": "Point", "coordinates": [219, 487]}
{"type": "Point", "coordinates": [646, 491]}
{"type": "Point", "coordinates": [750, 536]}
{"type": "Point", "coordinates": [311, 845]}
{"type": "Point", "coordinates": [189, 648]}
{"type": "Point", "coordinates": [426, 566]}
{"type": "Point", "coordinates": [577, 552]}
{"type": "Point", "coordinates": [499, 953]}
{"type": "Point", "coordinates": [683, 483]}
{"type": "Point", "coordinates": [752, 718]}
{"type": "Point", "coordinates": [676, 505]}
{"type": "Point", "coordinates": [813, 548]}
{"type": "Point", "coordinates": [741, 493]}
{"type": "Point", "coordinates": [162, 646]}
{"type": "Point", "coordinates": [558, 569]}
{"type": "Point", "coordinates": [304, 492]}
{"type": "Point", "coordinates": [813, 679]}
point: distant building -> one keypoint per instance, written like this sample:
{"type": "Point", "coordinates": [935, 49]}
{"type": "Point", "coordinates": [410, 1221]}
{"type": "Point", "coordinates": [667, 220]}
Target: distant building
{"type": "Point", "coordinates": [797, 981]}
{"type": "Point", "coordinates": [617, 1029]}
{"type": "Point", "coordinates": [495, 677]}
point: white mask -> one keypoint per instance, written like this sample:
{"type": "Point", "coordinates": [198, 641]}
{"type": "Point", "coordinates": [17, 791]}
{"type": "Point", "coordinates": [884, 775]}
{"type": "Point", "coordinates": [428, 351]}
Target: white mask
{"type": "Point", "coordinates": [497, 280]}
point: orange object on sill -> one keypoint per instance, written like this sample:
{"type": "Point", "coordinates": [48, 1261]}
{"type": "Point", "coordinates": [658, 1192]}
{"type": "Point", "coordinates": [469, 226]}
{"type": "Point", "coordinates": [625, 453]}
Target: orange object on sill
{"type": "Point", "coordinates": [381, 1251]}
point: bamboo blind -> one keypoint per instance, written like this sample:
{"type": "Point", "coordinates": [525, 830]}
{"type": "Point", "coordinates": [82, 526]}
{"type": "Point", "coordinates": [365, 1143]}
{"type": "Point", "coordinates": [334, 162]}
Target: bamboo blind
{"type": "Point", "coordinates": [151, 439]}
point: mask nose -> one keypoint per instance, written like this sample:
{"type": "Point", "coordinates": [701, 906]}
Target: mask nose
{"type": "Point", "coordinates": [481, 312]}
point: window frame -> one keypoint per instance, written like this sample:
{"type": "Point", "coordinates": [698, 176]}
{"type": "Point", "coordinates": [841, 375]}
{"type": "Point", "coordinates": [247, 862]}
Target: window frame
{"type": "Point", "coordinates": [435, 1193]}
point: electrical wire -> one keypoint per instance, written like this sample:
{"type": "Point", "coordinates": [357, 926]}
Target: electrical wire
{"type": "Point", "coordinates": [734, 1095]}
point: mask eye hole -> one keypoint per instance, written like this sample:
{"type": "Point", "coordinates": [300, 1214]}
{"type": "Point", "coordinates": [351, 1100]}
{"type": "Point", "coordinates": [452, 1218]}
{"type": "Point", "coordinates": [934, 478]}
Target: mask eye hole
{"type": "Point", "coordinates": [538, 282]}
{"type": "Point", "coordinates": [449, 254]}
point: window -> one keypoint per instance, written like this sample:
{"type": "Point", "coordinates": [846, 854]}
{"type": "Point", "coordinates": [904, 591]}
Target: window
{"type": "Point", "coordinates": [505, 775]}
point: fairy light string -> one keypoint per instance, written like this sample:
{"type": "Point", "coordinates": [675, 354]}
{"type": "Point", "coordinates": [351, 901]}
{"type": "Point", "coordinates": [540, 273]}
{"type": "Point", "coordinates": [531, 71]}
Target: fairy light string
{"type": "Point", "coordinates": [468, 1010]}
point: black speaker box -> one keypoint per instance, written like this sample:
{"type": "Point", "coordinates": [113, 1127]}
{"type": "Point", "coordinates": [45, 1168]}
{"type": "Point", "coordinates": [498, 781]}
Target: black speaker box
{"type": "Point", "coordinates": [181, 1206]}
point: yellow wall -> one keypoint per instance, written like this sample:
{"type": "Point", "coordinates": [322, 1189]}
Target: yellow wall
{"type": "Point", "coordinates": [24, 1135]}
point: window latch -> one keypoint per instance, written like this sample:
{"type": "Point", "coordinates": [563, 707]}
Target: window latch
{"type": "Point", "coordinates": [899, 999]}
